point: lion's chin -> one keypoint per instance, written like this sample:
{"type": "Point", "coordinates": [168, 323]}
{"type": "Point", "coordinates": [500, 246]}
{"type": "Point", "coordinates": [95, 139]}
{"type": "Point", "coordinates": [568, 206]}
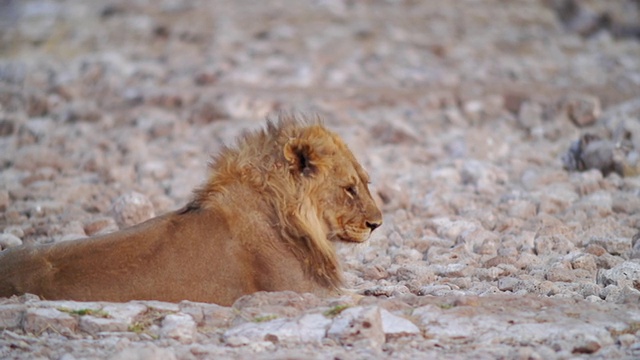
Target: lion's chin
{"type": "Point", "coordinates": [354, 237]}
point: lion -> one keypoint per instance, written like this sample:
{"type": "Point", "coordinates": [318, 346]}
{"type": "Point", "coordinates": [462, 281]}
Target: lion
{"type": "Point", "coordinates": [267, 219]}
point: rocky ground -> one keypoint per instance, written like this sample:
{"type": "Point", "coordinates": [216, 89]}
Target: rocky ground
{"type": "Point", "coordinates": [502, 138]}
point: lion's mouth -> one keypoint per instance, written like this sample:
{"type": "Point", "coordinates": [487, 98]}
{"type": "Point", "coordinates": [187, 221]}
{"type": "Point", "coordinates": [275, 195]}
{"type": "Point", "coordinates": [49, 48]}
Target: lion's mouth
{"type": "Point", "coordinates": [354, 236]}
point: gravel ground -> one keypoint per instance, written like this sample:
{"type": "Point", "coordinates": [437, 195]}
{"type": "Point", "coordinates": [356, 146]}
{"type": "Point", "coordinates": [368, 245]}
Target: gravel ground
{"type": "Point", "coordinates": [502, 138]}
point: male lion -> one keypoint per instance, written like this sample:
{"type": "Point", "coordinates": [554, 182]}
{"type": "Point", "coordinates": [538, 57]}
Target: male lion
{"type": "Point", "coordinates": [265, 220]}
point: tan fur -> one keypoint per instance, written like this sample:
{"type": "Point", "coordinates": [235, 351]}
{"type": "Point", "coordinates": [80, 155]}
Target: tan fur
{"type": "Point", "coordinates": [265, 220]}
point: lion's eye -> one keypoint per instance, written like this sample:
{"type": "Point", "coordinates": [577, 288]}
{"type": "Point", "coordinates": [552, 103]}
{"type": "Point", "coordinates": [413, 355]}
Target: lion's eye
{"type": "Point", "coordinates": [351, 190]}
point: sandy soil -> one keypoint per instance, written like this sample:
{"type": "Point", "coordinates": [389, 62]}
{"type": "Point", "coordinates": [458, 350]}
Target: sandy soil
{"type": "Point", "coordinates": [502, 139]}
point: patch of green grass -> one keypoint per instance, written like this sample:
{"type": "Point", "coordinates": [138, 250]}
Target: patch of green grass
{"type": "Point", "coordinates": [82, 312]}
{"type": "Point", "coordinates": [144, 322]}
{"type": "Point", "coordinates": [446, 306]}
{"type": "Point", "coordinates": [137, 327]}
{"type": "Point", "coordinates": [336, 310]}
{"type": "Point", "coordinates": [264, 318]}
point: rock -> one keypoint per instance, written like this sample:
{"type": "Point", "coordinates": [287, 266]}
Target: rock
{"type": "Point", "coordinates": [14, 230]}
{"type": "Point", "coordinates": [39, 320]}
{"type": "Point", "coordinates": [613, 245]}
{"type": "Point", "coordinates": [482, 175]}
{"type": "Point", "coordinates": [100, 226]}
{"type": "Point", "coordinates": [451, 229]}
{"type": "Point", "coordinates": [4, 200]}
{"type": "Point", "coordinates": [358, 326]}
{"type": "Point", "coordinates": [180, 327]}
{"type": "Point", "coordinates": [625, 274]}
{"type": "Point", "coordinates": [8, 240]}
{"type": "Point", "coordinates": [144, 351]}
{"type": "Point", "coordinates": [522, 209]}
{"type": "Point", "coordinates": [560, 272]}
{"type": "Point", "coordinates": [584, 261]}
{"type": "Point", "coordinates": [126, 312]}
{"type": "Point", "coordinates": [11, 315]}
{"type": "Point", "coordinates": [552, 244]}
{"type": "Point", "coordinates": [635, 251]}
{"type": "Point", "coordinates": [530, 115]}
{"type": "Point", "coordinates": [309, 328]}
{"type": "Point", "coordinates": [623, 295]}
{"type": "Point", "coordinates": [582, 110]}
{"type": "Point", "coordinates": [588, 181]}
{"type": "Point", "coordinates": [392, 196]}
{"type": "Point", "coordinates": [395, 326]}
{"type": "Point", "coordinates": [94, 325]}
{"type": "Point", "coordinates": [396, 132]}
{"type": "Point", "coordinates": [82, 112]}
{"type": "Point", "coordinates": [507, 283]}
{"type": "Point", "coordinates": [592, 152]}
{"type": "Point", "coordinates": [597, 204]}
{"type": "Point", "coordinates": [435, 290]}
{"type": "Point", "coordinates": [131, 209]}
{"type": "Point", "coordinates": [556, 198]}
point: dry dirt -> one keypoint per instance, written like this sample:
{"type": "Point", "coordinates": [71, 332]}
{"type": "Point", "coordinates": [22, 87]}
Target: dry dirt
{"type": "Point", "coordinates": [504, 236]}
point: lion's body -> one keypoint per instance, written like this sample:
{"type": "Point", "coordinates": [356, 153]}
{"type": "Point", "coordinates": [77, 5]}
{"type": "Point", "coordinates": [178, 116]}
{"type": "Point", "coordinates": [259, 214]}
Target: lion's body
{"type": "Point", "coordinates": [264, 221]}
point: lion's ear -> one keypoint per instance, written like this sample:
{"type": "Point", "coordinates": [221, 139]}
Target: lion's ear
{"type": "Point", "coordinates": [300, 156]}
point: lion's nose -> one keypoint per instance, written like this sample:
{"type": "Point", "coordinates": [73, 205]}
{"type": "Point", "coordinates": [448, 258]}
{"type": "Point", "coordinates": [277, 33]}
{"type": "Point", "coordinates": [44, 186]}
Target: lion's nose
{"type": "Point", "coordinates": [373, 225]}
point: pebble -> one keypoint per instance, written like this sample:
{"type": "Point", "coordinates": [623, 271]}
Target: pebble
{"type": "Point", "coordinates": [95, 325]}
{"type": "Point", "coordinates": [613, 245]}
{"type": "Point", "coordinates": [360, 326]}
{"type": "Point", "coordinates": [38, 320]}
{"type": "Point", "coordinates": [395, 326]}
{"type": "Point", "coordinates": [144, 351]}
{"type": "Point", "coordinates": [626, 273]}
{"type": "Point", "coordinates": [310, 328]}
{"type": "Point", "coordinates": [4, 200]}
{"type": "Point", "coordinates": [100, 226]}
{"type": "Point", "coordinates": [180, 327]}
{"type": "Point", "coordinates": [131, 209]}
{"type": "Point", "coordinates": [8, 240]}
{"type": "Point", "coordinates": [583, 110]}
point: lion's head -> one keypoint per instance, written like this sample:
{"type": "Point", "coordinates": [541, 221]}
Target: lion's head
{"type": "Point", "coordinates": [317, 190]}
{"type": "Point", "coordinates": [332, 187]}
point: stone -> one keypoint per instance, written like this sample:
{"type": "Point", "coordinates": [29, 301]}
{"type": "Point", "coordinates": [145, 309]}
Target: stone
{"type": "Point", "coordinates": [507, 283]}
{"type": "Point", "coordinates": [308, 328]}
{"type": "Point", "coordinates": [395, 326]}
{"type": "Point", "coordinates": [451, 229]}
{"type": "Point", "coordinates": [584, 261]}
{"type": "Point", "coordinates": [623, 295]}
{"type": "Point", "coordinates": [94, 325]}
{"type": "Point", "coordinates": [552, 244]}
{"type": "Point", "coordinates": [100, 226]}
{"type": "Point", "coordinates": [530, 115]}
{"type": "Point", "coordinates": [625, 274]}
{"type": "Point", "coordinates": [180, 327]}
{"type": "Point", "coordinates": [396, 132]}
{"type": "Point", "coordinates": [358, 326]}
{"type": "Point", "coordinates": [560, 272]}
{"type": "Point", "coordinates": [556, 198]}
{"type": "Point", "coordinates": [144, 351]}
{"type": "Point", "coordinates": [4, 199]}
{"type": "Point", "coordinates": [613, 245]}
{"type": "Point", "coordinates": [11, 315]}
{"type": "Point", "coordinates": [39, 320]}
{"type": "Point", "coordinates": [582, 110]}
{"type": "Point", "coordinates": [8, 240]}
{"type": "Point", "coordinates": [522, 209]}
{"type": "Point", "coordinates": [131, 209]}
{"type": "Point", "coordinates": [484, 176]}
{"type": "Point", "coordinates": [14, 230]}
{"type": "Point", "coordinates": [126, 312]}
